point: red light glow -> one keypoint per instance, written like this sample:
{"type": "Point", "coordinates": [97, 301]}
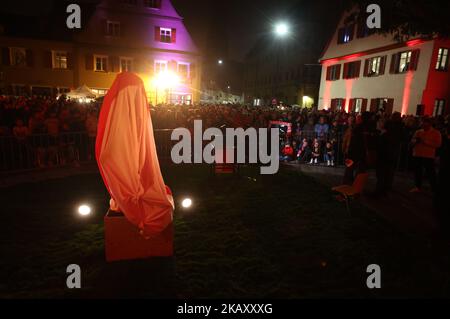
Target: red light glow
{"type": "Point", "coordinates": [414, 42]}
{"type": "Point", "coordinates": [348, 94]}
{"type": "Point", "coordinates": [407, 92]}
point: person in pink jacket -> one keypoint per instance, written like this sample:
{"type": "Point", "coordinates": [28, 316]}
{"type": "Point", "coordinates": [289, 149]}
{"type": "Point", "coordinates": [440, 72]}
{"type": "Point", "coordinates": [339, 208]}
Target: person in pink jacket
{"type": "Point", "coordinates": [425, 143]}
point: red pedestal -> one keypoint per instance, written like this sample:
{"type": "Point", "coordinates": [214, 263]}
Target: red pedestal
{"type": "Point", "coordinates": [224, 168]}
{"type": "Point", "coordinates": [124, 242]}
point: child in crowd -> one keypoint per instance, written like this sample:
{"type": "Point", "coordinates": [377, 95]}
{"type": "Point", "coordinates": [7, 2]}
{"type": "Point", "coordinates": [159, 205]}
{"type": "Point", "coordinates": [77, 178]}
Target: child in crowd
{"type": "Point", "coordinates": [287, 153]}
{"type": "Point", "coordinates": [329, 154]}
{"type": "Point", "coordinates": [316, 153]}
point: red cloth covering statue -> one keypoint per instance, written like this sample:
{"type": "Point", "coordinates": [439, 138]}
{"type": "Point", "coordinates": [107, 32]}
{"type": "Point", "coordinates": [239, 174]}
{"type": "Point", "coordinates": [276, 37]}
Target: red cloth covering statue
{"type": "Point", "coordinates": [127, 158]}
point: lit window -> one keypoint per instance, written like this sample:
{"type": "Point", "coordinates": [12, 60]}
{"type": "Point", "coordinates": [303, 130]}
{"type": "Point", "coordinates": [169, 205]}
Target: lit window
{"type": "Point", "coordinates": [166, 35]}
{"type": "Point", "coordinates": [339, 104]}
{"type": "Point", "coordinates": [374, 66]}
{"type": "Point", "coordinates": [380, 105]}
{"type": "Point", "coordinates": [59, 60]}
{"type": "Point", "coordinates": [358, 105]}
{"type": "Point", "coordinates": [153, 4]}
{"type": "Point", "coordinates": [439, 107]}
{"type": "Point", "coordinates": [442, 61]}
{"type": "Point", "coordinates": [126, 64]}
{"type": "Point", "coordinates": [345, 34]}
{"type": "Point", "coordinates": [18, 56]}
{"type": "Point", "coordinates": [160, 66]}
{"type": "Point", "coordinates": [113, 28]}
{"type": "Point", "coordinates": [404, 62]}
{"type": "Point", "coordinates": [101, 63]}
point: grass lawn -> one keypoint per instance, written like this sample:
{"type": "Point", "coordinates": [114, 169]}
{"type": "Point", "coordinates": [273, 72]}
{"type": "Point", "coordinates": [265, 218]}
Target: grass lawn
{"type": "Point", "coordinates": [281, 236]}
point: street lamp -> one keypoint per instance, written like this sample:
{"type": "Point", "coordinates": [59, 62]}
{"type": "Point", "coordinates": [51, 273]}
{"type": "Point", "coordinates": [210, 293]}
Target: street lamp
{"type": "Point", "coordinates": [281, 29]}
{"type": "Point", "coordinates": [220, 62]}
{"type": "Point", "coordinates": [166, 80]}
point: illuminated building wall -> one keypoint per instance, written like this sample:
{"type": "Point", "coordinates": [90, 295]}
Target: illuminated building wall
{"type": "Point", "coordinates": [386, 74]}
{"type": "Point", "coordinates": [145, 37]}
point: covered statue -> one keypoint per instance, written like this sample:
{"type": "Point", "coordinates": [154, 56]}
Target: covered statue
{"type": "Point", "coordinates": [127, 158]}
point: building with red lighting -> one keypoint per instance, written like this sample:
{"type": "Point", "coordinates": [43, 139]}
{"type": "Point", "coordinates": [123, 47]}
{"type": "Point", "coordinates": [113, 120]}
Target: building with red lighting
{"type": "Point", "coordinates": [366, 71]}
{"type": "Point", "coordinates": [147, 37]}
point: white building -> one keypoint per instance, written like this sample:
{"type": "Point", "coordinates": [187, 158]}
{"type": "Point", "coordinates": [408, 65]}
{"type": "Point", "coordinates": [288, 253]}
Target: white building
{"type": "Point", "coordinates": [365, 71]}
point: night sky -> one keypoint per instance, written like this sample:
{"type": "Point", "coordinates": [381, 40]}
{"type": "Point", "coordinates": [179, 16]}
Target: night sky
{"type": "Point", "coordinates": [226, 28]}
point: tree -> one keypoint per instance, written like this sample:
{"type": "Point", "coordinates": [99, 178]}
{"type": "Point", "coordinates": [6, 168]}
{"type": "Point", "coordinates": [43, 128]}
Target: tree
{"type": "Point", "coordinates": [407, 18]}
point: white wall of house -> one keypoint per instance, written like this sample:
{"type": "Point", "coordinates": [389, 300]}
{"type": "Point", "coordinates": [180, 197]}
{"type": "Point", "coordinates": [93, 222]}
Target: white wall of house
{"type": "Point", "coordinates": [388, 85]}
{"type": "Point", "coordinates": [405, 88]}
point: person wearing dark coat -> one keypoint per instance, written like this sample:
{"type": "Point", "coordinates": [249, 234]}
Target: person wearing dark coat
{"type": "Point", "coordinates": [362, 140]}
{"type": "Point", "coordinates": [441, 199]}
{"type": "Point", "coordinates": [388, 152]}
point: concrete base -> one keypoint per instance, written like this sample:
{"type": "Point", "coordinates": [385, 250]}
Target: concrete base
{"type": "Point", "coordinates": [124, 242]}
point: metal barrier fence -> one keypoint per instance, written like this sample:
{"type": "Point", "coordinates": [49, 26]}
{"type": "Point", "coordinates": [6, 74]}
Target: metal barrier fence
{"type": "Point", "coordinates": [39, 151]}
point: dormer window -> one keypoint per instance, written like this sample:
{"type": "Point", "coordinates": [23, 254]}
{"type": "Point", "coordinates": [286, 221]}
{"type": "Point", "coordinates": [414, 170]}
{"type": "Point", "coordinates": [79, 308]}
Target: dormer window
{"type": "Point", "coordinates": [165, 35]}
{"type": "Point", "coordinates": [345, 35]}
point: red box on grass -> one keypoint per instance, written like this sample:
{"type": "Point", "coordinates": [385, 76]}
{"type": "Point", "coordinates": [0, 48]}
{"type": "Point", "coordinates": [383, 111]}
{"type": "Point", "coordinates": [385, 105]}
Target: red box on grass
{"type": "Point", "coordinates": [124, 242]}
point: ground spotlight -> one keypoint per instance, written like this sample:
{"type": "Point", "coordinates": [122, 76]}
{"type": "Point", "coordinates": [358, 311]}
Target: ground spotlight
{"type": "Point", "coordinates": [84, 210]}
{"type": "Point", "coordinates": [186, 203]}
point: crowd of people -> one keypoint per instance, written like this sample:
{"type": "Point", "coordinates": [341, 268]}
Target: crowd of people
{"type": "Point", "coordinates": [45, 128]}
{"type": "Point", "coordinates": [45, 131]}
{"type": "Point", "coordinates": [40, 132]}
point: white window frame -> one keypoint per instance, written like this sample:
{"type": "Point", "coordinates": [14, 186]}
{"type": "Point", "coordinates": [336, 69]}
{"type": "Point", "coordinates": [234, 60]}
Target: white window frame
{"type": "Point", "coordinates": [55, 54]}
{"type": "Point", "coordinates": [105, 67]}
{"type": "Point", "coordinates": [163, 33]}
{"type": "Point", "coordinates": [374, 63]}
{"type": "Point", "coordinates": [188, 66]}
{"type": "Point", "coordinates": [161, 62]}
{"type": "Point", "coordinates": [340, 104]}
{"type": "Point", "coordinates": [128, 60]}
{"type": "Point", "coordinates": [439, 107]}
{"type": "Point", "coordinates": [334, 75]}
{"type": "Point", "coordinates": [404, 61]}
{"type": "Point", "coordinates": [111, 29]}
{"type": "Point", "coordinates": [442, 60]}
{"type": "Point", "coordinates": [11, 56]}
{"type": "Point", "coordinates": [358, 105]}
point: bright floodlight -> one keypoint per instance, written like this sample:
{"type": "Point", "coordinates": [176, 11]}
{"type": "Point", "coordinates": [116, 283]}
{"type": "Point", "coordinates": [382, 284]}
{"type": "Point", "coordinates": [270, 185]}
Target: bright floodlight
{"type": "Point", "coordinates": [84, 210]}
{"type": "Point", "coordinates": [166, 80]}
{"type": "Point", "coordinates": [220, 62]}
{"type": "Point", "coordinates": [186, 203]}
{"type": "Point", "coordinates": [281, 29]}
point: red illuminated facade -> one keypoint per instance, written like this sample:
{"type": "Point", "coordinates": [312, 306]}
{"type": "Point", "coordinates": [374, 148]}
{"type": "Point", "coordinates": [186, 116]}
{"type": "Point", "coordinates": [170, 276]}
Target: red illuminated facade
{"type": "Point", "coordinates": [365, 71]}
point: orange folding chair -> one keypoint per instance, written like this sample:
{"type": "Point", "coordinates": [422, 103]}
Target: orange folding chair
{"type": "Point", "coordinates": [351, 191]}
